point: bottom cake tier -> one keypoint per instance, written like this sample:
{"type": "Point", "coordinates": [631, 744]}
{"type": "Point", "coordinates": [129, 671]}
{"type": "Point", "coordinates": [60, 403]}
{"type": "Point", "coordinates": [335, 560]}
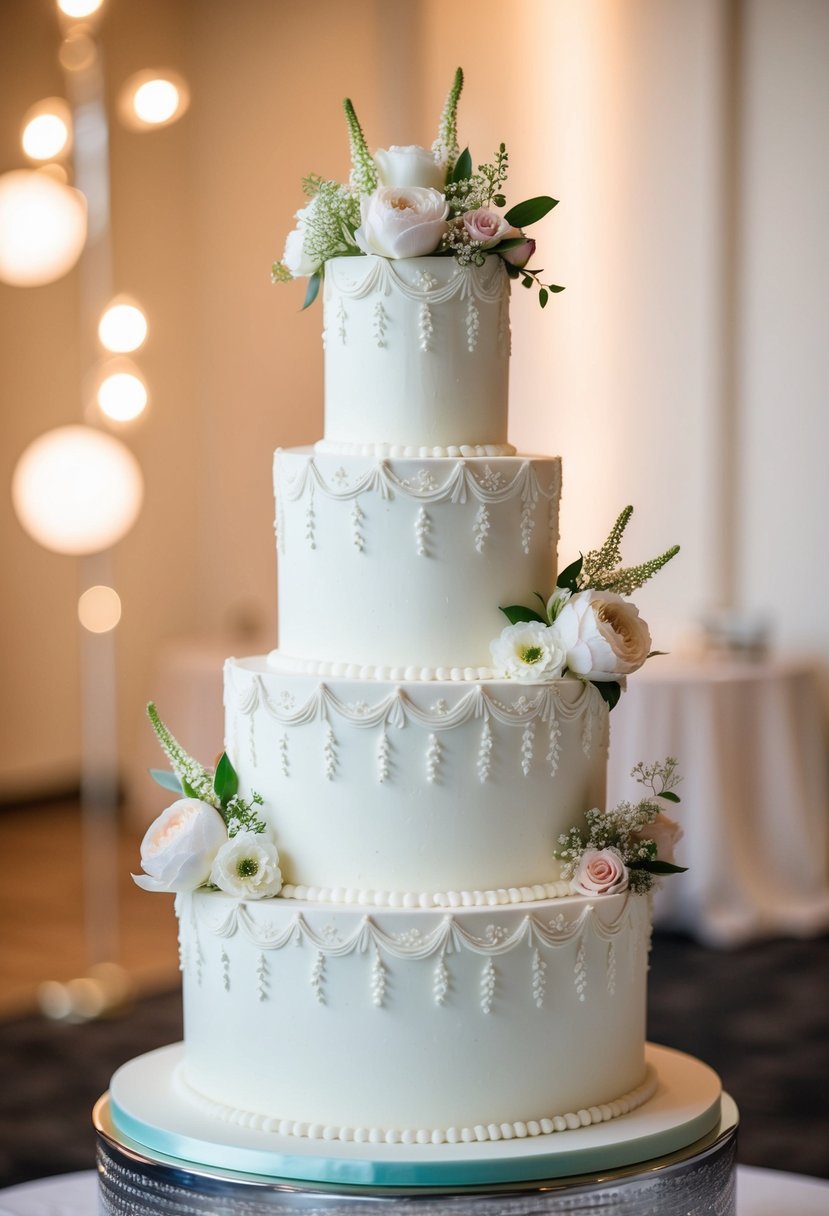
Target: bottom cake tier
{"type": "Point", "coordinates": [413, 1025]}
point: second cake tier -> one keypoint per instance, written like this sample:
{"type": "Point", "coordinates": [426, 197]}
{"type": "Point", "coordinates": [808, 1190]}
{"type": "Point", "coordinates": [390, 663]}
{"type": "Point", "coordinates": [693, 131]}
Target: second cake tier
{"type": "Point", "coordinates": [404, 563]}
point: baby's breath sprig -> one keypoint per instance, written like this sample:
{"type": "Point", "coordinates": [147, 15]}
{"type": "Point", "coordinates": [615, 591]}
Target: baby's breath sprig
{"type": "Point", "coordinates": [459, 243]}
{"type": "Point", "coordinates": [363, 168]}
{"type": "Point", "coordinates": [240, 816]}
{"type": "Point", "coordinates": [331, 223]}
{"type": "Point", "coordinates": [481, 189]}
{"type": "Point", "coordinates": [445, 147]}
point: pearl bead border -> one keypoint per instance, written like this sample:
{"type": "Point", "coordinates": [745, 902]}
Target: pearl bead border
{"type": "Point", "coordinates": [384, 451]}
{"type": "Point", "coordinates": [423, 899]}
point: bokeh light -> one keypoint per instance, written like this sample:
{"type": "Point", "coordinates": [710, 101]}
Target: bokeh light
{"type": "Point", "coordinates": [79, 8]}
{"type": "Point", "coordinates": [99, 609]}
{"type": "Point", "coordinates": [122, 394]}
{"type": "Point", "coordinates": [47, 129]}
{"type": "Point", "coordinates": [123, 327]}
{"type": "Point", "coordinates": [42, 228]}
{"type": "Point", "coordinates": [77, 490]}
{"type": "Point", "coordinates": [152, 99]}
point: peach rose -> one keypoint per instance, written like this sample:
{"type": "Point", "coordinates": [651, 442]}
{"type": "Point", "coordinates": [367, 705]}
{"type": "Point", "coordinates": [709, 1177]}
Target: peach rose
{"type": "Point", "coordinates": [600, 872]}
{"type": "Point", "coordinates": [603, 635]}
{"type": "Point", "coordinates": [179, 846]}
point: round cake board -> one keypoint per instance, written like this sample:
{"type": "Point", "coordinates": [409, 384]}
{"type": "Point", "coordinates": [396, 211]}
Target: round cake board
{"type": "Point", "coordinates": [147, 1106]}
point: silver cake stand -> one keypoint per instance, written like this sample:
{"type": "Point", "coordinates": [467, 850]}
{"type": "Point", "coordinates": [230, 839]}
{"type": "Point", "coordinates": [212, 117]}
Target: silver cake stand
{"type": "Point", "coordinates": [698, 1180]}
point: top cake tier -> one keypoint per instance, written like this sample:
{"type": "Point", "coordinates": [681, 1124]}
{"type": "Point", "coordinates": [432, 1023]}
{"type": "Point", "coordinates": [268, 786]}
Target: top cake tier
{"type": "Point", "coordinates": [416, 357]}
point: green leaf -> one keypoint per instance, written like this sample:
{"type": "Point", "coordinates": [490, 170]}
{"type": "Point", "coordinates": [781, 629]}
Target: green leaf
{"type": "Point", "coordinates": [189, 791]}
{"type": "Point", "coordinates": [463, 167]}
{"type": "Point", "coordinates": [552, 287]}
{"type": "Point", "coordinates": [530, 211]}
{"type": "Point", "coordinates": [313, 290]}
{"type": "Point", "coordinates": [516, 614]}
{"type": "Point", "coordinates": [166, 779]}
{"type": "Point", "coordinates": [527, 281]}
{"type": "Point", "coordinates": [225, 781]}
{"type": "Point", "coordinates": [543, 297]}
{"type": "Point", "coordinates": [569, 576]}
{"type": "Point", "coordinates": [654, 654]}
{"type": "Point", "coordinates": [511, 270]}
{"type": "Point", "coordinates": [499, 200]}
{"type": "Point", "coordinates": [669, 795]}
{"type": "Point", "coordinates": [659, 867]}
{"type": "Point", "coordinates": [610, 691]}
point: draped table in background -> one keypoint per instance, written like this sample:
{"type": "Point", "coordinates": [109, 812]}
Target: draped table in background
{"type": "Point", "coordinates": [751, 740]}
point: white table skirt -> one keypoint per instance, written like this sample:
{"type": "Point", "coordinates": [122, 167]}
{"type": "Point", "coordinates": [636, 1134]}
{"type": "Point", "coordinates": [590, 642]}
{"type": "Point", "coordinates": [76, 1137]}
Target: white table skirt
{"type": "Point", "coordinates": [751, 742]}
{"type": "Point", "coordinates": [759, 1193]}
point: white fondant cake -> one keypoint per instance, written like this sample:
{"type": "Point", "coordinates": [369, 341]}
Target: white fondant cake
{"type": "Point", "coordinates": [428, 970]}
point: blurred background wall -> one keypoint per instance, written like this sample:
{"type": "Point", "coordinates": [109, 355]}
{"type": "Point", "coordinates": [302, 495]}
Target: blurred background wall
{"type": "Point", "coordinates": [685, 369]}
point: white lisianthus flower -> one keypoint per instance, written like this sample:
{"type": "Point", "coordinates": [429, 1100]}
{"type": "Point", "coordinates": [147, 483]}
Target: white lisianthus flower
{"type": "Point", "coordinates": [409, 166]}
{"type": "Point", "coordinates": [402, 222]}
{"type": "Point", "coordinates": [179, 846]}
{"type": "Point", "coordinates": [487, 226]}
{"type": "Point", "coordinates": [247, 866]}
{"type": "Point", "coordinates": [602, 634]}
{"type": "Point", "coordinates": [528, 651]}
{"type": "Point", "coordinates": [295, 257]}
{"type": "Point", "coordinates": [556, 602]}
{"type": "Point", "coordinates": [600, 872]}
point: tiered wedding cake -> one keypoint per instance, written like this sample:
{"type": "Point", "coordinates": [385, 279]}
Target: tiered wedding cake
{"type": "Point", "coordinates": [378, 940]}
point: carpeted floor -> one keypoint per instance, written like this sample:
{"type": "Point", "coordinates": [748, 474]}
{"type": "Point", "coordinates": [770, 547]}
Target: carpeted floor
{"type": "Point", "coordinates": [758, 1015]}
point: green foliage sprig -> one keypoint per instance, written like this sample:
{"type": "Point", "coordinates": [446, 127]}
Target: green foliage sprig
{"type": "Point", "coordinates": [220, 788]}
{"type": "Point", "coordinates": [445, 146]}
{"type": "Point", "coordinates": [363, 168]}
{"type": "Point", "coordinates": [600, 568]}
{"type": "Point", "coordinates": [624, 828]}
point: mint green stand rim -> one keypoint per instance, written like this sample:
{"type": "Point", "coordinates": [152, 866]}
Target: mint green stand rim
{"type": "Point", "coordinates": [143, 1112]}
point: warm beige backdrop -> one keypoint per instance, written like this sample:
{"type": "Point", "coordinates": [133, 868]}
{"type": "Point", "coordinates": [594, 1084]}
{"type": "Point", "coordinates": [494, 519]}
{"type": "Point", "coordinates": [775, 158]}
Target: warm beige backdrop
{"type": "Point", "coordinates": [685, 368]}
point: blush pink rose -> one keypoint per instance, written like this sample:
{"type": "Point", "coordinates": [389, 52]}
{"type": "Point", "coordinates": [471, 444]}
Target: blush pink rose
{"type": "Point", "coordinates": [600, 872]}
{"type": "Point", "coordinates": [486, 226]}
{"type": "Point", "coordinates": [665, 834]}
{"type": "Point", "coordinates": [518, 255]}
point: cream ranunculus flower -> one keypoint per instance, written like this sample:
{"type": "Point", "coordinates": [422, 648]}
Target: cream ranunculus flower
{"type": "Point", "coordinates": [179, 847]}
{"type": "Point", "coordinates": [600, 872]}
{"type": "Point", "coordinates": [296, 257]}
{"type": "Point", "coordinates": [603, 635]}
{"type": "Point", "coordinates": [247, 866]}
{"type": "Point", "coordinates": [528, 651]}
{"type": "Point", "coordinates": [409, 166]}
{"type": "Point", "coordinates": [402, 222]}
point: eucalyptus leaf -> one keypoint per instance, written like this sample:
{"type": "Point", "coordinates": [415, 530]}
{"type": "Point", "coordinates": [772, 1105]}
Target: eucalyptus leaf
{"type": "Point", "coordinates": [569, 576]}
{"type": "Point", "coordinates": [313, 290]}
{"type": "Point", "coordinates": [463, 167]}
{"type": "Point", "coordinates": [517, 614]}
{"type": "Point", "coordinates": [609, 690]}
{"type": "Point", "coordinates": [530, 211]}
{"type": "Point", "coordinates": [225, 781]}
{"type": "Point", "coordinates": [166, 779]}
{"type": "Point", "coordinates": [669, 795]}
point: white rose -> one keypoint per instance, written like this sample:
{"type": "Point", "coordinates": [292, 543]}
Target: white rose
{"type": "Point", "coordinates": [409, 166]}
{"type": "Point", "coordinates": [665, 834]}
{"type": "Point", "coordinates": [295, 257]}
{"type": "Point", "coordinates": [603, 635]}
{"type": "Point", "coordinates": [247, 866]}
{"type": "Point", "coordinates": [400, 222]}
{"type": "Point", "coordinates": [179, 847]}
{"type": "Point", "coordinates": [600, 872]}
{"type": "Point", "coordinates": [528, 651]}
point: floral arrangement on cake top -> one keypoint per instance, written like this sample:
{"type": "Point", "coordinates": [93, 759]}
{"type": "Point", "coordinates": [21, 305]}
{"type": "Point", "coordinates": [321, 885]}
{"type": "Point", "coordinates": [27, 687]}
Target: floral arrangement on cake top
{"type": "Point", "coordinates": [587, 628]}
{"type": "Point", "coordinates": [210, 837]}
{"type": "Point", "coordinates": [407, 202]}
{"type": "Point", "coordinates": [629, 846]}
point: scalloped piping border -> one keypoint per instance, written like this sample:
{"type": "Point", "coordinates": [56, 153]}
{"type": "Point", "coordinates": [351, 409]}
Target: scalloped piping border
{"type": "Point", "coordinates": [371, 671]}
{"type": "Point", "coordinates": [479, 1133]}
{"type": "Point", "coordinates": [422, 899]}
{"type": "Point", "coordinates": [332, 447]}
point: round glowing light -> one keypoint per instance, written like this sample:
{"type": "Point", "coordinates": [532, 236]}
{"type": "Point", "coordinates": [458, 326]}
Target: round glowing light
{"type": "Point", "coordinates": [42, 228]}
{"type": "Point", "coordinates": [122, 396]}
{"type": "Point", "coordinates": [99, 609]}
{"type": "Point", "coordinates": [78, 50]}
{"type": "Point", "coordinates": [122, 328]}
{"type": "Point", "coordinates": [77, 490]}
{"type": "Point", "coordinates": [46, 133]}
{"type": "Point", "coordinates": [79, 8]}
{"type": "Point", "coordinates": [153, 99]}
